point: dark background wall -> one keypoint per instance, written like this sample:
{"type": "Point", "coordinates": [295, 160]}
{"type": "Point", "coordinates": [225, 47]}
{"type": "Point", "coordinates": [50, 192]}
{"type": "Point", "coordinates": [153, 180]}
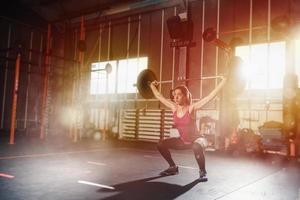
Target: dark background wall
{"type": "Point", "coordinates": [148, 36]}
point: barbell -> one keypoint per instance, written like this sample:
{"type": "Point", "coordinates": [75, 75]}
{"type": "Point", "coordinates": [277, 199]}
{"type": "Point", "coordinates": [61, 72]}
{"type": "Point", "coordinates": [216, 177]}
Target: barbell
{"type": "Point", "coordinates": [234, 86]}
{"type": "Point", "coordinates": [107, 69]}
{"type": "Point", "coordinates": [144, 79]}
{"type": "Point", "coordinates": [210, 35]}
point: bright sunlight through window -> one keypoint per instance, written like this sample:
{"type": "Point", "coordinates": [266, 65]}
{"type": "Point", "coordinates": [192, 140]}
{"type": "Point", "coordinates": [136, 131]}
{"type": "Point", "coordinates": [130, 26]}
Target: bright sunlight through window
{"type": "Point", "coordinates": [264, 65]}
{"type": "Point", "coordinates": [121, 79]}
{"type": "Point", "coordinates": [297, 59]}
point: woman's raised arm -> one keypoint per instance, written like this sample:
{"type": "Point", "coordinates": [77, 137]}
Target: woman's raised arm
{"type": "Point", "coordinates": [161, 98]}
{"type": "Point", "coordinates": [197, 105]}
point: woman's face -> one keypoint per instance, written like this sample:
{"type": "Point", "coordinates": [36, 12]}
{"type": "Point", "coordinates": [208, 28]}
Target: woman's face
{"type": "Point", "coordinates": [179, 97]}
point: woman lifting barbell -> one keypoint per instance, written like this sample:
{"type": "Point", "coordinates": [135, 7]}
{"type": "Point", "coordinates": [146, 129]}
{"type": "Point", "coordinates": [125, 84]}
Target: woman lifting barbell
{"type": "Point", "coordinates": [183, 117]}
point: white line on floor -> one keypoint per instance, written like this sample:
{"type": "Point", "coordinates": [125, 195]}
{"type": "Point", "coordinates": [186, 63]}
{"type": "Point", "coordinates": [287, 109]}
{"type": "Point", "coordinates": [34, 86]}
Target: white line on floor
{"type": "Point", "coordinates": [96, 184]}
{"type": "Point", "coordinates": [96, 163]}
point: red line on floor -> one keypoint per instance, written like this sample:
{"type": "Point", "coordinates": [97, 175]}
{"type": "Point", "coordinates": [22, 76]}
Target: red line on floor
{"type": "Point", "coordinates": [6, 175]}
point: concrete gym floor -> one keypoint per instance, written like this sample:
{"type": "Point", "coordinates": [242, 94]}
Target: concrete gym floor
{"type": "Point", "coordinates": [110, 170]}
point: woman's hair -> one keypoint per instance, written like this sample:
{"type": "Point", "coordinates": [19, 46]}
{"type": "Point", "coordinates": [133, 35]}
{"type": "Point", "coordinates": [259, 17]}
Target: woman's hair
{"type": "Point", "coordinates": [185, 91]}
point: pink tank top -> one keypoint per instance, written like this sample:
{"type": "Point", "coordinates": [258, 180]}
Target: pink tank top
{"type": "Point", "coordinates": [186, 127]}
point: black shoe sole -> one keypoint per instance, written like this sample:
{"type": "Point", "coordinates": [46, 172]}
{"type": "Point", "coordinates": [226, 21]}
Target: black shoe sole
{"type": "Point", "coordinates": [204, 179]}
{"type": "Point", "coordinates": [168, 174]}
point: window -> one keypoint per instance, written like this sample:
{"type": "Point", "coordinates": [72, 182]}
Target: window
{"type": "Point", "coordinates": [100, 79]}
{"type": "Point", "coordinates": [121, 79]}
{"type": "Point", "coordinates": [264, 65]}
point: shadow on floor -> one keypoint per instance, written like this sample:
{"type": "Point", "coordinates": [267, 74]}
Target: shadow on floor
{"type": "Point", "coordinates": [142, 189]}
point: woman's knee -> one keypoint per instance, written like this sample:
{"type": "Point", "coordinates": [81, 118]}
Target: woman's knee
{"type": "Point", "coordinates": [197, 147]}
{"type": "Point", "coordinates": [201, 143]}
{"type": "Point", "coordinates": [160, 144]}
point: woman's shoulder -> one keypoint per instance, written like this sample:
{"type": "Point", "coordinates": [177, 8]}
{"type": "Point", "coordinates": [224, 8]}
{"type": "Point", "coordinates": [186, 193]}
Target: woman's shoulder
{"type": "Point", "coordinates": [174, 109]}
{"type": "Point", "coordinates": [191, 108]}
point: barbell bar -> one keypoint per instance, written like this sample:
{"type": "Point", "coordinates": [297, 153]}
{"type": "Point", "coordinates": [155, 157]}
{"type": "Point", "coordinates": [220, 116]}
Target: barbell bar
{"type": "Point", "coordinates": [235, 82]}
{"type": "Point", "coordinates": [198, 79]}
{"type": "Point", "coordinates": [186, 80]}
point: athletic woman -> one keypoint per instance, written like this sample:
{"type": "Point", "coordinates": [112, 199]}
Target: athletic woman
{"type": "Point", "coordinates": [184, 121]}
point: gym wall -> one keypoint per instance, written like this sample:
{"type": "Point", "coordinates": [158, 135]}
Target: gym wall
{"type": "Point", "coordinates": [250, 21]}
{"type": "Point", "coordinates": [145, 34]}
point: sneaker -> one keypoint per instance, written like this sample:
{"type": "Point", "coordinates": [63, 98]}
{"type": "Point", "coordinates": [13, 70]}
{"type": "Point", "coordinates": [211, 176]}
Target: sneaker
{"type": "Point", "coordinates": [170, 171]}
{"type": "Point", "coordinates": [202, 177]}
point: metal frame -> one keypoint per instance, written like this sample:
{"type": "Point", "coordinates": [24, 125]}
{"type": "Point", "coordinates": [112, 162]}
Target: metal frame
{"type": "Point", "coordinates": [5, 77]}
{"type": "Point", "coordinates": [28, 81]}
{"type": "Point", "coordinates": [46, 84]}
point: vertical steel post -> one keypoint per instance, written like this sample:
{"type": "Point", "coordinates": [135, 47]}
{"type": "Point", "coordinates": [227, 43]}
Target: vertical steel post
{"type": "Point", "coordinates": [28, 81]}
{"type": "Point", "coordinates": [202, 49]}
{"type": "Point", "coordinates": [15, 99]}
{"type": "Point", "coordinates": [5, 78]}
{"type": "Point", "coordinates": [45, 85]}
{"type": "Point", "coordinates": [81, 65]}
{"type": "Point", "coordinates": [73, 87]}
{"type": "Point", "coordinates": [173, 56]}
{"type": "Point", "coordinates": [161, 46]}
{"type": "Point", "coordinates": [106, 112]}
